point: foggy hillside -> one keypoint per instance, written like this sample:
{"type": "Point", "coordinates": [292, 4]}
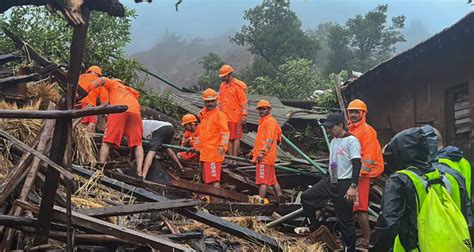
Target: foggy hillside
{"type": "Point", "coordinates": [172, 43]}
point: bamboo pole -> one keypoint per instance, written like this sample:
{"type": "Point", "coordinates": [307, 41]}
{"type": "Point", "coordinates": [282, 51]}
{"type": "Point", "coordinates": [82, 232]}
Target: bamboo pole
{"type": "Point", "coordinates": [295, 148]}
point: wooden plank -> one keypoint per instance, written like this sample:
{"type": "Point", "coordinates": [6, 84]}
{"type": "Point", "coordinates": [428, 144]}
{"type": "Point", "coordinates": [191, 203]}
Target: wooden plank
{"type": "Point", "coordinates": [5, 58]}
{"type": "Point", "coordinates": [209, 190]}
{"type": "Point", "coordinates": [461, 113]}
{"type": "Point", "coordinates": [58, 114]}
{"type": "Point", "coordinates": [461, 105]}
{"type": "Point", "coordinates": [200, 216]}
{"type": "Point", "coordinates": [241, 182]}
{"type": "Point", "coordinates": [48, 195]}
{"type": "Point", "coordinates": [104, 227]}
{"type": "Point", "coordinates": [12, 80]}
{"type": "Point", "coordinates": [138, 208]}
{"type": "Point", "coordinates": [155, 187]}
{"type": "Point", "coordinates": [30, 177]}
{"type": "Point", "coordinates": [14, 177]}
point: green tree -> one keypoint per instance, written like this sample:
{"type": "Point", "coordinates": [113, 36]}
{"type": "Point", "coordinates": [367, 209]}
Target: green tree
{"type": "Point", "coordinates": [210, 78]}
{"type": "Point", "coordinates": [51, 36]}
{"type": "Point", "coordinates": [274, 34]}
{"type": "Point", "coordinates": [296, 79]}
{"type": "Point", "coordinates": [364, 40]}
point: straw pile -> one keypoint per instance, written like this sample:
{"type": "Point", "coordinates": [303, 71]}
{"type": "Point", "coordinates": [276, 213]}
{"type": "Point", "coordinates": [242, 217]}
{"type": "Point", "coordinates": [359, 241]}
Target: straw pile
{"type": "Point", "coordinates": [44, 92]}
{"type": "Point", "coordinates": [287, 243]}
{"type": "Point", "coordinates": [27, 130]}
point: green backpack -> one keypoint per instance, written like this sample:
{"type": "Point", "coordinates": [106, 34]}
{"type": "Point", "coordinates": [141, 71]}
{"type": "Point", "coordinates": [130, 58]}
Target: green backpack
{"type": "Point", "coordinates": [463, 167]}
{"type": "Point", "coordinates": [440, 222]}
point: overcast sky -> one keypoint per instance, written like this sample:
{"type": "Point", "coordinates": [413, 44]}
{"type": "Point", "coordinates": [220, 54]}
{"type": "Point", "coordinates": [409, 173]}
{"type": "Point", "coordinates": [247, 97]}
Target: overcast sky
{"type": "Point", "coordinates": [210, 18]}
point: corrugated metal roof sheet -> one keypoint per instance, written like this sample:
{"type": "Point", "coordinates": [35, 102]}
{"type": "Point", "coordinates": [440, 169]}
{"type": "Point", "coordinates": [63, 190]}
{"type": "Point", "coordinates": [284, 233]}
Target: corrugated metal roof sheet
{"type": "Point", "coordinates": [190, 101]}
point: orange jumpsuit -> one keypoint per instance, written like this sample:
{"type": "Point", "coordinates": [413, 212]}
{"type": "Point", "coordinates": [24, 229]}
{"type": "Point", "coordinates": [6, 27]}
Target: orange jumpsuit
{"type": "Point", "coordinates": [192, 136]}
{"type": "Point", "coordinates": [233, 102]}
{"type": "Point", "coordinates": [85, 82]}
{"type": "Point", "coordinates": [371, 158]}
{"type": "Point", "coordinates": [212, 133]}
{"type": "Point", "coordinates": [268, 136]}
{"type": "Point", "coordinates": [129, 122]}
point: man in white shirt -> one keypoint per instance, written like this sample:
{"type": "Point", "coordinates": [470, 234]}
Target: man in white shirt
{"type": "Point", "coordinates": [158, 133]}
{"type": "Point", "coordinates": [340, 184]}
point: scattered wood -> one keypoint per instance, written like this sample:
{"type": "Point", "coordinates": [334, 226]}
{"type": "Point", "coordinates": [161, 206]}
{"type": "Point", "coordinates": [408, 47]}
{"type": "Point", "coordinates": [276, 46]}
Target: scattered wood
{"type": "Point", "coordinates": [5, 58]}
{"type": "Point", "coordinates": [183, 236]}
{"type": "Point", "coordinates": [200, 216]}
{"type": "Point", "coordinates": [34, 152]}
{"type": "Point", "coordinates": [19, 79]}
{"type": "Point", "coordinates": [104, 227]}
{"type": "Point", "coordinates": [138, 208]}
{"type": "Point", "coordinates": [30, 176]}
{"type": "Point", "coordinates": [209, 190]}
{"type": "Point", "coordinates": [155, 187]}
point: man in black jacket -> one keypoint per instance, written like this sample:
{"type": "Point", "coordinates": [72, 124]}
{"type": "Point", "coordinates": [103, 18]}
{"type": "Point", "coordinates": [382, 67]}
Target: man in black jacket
{"type": "Point", "coordinates": [414, 148]}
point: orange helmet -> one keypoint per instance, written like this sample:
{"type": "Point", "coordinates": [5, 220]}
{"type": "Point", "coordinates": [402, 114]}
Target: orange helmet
{"type": "Point", "coordinates": [209, 94]}
{"type": "Point", "coordinates": [225, 70]}
{"type": "Point", "coordinates": [357, 105]}
{"type": "Point", "coordinates": [95, 69]}
{"type": "Point", "coordinates": [263, 104]}
{"type": "Point", "coordinates": [188, 118]}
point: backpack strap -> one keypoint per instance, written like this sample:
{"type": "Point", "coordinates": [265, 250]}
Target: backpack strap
{"type": "Point", "coordinates": [420, 186]}
{"type": "Point", "coordinates": [423, 182]}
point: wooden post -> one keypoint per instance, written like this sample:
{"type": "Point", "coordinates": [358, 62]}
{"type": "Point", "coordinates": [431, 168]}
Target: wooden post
{"type": "Point", "coordinates": [30, 179]}
{"type": "Point", "coordinates": [62, 135]}
{"type": "Point", "coordinates": [340, 99]}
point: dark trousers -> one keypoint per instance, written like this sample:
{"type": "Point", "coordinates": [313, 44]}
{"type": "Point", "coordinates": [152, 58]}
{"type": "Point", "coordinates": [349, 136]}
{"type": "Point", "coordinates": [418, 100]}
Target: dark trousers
{"type": "Point", "coordinates": [324, 190]}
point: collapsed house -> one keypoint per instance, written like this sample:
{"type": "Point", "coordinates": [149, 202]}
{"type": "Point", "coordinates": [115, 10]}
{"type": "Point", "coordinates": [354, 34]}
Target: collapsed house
{"type": "Point", "coordinates": [49, 202]}
{"type": "Point", "coordinates": [432, 83]}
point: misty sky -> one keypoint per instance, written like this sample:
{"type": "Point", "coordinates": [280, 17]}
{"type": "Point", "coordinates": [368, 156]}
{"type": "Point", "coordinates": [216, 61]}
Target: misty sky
{"type": "Point", "coordinates": [211, 18]}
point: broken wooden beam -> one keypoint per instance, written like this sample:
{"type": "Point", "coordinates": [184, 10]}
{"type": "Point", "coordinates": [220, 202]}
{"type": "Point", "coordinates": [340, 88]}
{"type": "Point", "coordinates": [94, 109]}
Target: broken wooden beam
{"type": "Point", "coordinates": [138, 208]}
{"type": "Point", "coordinates": [83, 239]}
{"type": "Point", "coordinates": [200, 216]}
{"type": "Point", "coordinates": [56, 114]}
{"type": "Point", "coordinates": [183, 236]}
{"type": "Point", "coordinates": [209, 190]}
{"type": "Point", "coordinates": [153, 186]}
{"type": "Point", "coordinates": [5, 58]}
{"type": "Point", "coordinates": [30, 174]}
{"type": "Point", "coordinates": [36, 153]}
{"type": "Point", "coordinates": [105, 227]}
{"type": "Point", "coordinates": [19, 79]}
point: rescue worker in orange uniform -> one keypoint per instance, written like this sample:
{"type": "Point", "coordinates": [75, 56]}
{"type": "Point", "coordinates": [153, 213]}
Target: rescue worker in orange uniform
{"type": "Point", "coordinates": [233, 102]}
{"type": "Point", "coordinates": [85, 82]}
{"type": "Point", "coordinates": [264, 151]}
{"type": "Point", "coordinates": [128, 123]}
{"type": "Point", "coordinates": [372, 163]}
{"type": "Point", "coordinates": [189, 121]}
{"type": "Point", "coordinates": [212, 138]}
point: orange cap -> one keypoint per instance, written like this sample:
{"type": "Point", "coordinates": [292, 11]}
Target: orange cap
{"type": "Point", "coordinates": [225, 70]}
{"type": "Point", "coordinates": [263, 103]}
{"type": "Point", "coordinates": [95, 69]}
{"type": "Point", "coordinates": [188, 118]}
{"type": "Point", "coordinates": [357, 105]}
{"type": "Point", "coordinates": [209, 94]}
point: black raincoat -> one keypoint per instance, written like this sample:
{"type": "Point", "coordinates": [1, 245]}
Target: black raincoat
{"type": "Point", "coordinates": [410, 148]}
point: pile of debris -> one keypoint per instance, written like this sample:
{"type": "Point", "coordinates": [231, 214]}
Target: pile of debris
{"type": "Point", "coordinates": [46, 206]}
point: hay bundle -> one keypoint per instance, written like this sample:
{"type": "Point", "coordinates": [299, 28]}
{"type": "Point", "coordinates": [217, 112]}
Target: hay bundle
{"type": "Point", "coordinates": [287, 243]}
{"type": "Point", "coordinates": [84, 149]}
{"type": "Point", "coordinates": [44, 92]}
{"type": "Point", "coordinates": [26, 130]}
